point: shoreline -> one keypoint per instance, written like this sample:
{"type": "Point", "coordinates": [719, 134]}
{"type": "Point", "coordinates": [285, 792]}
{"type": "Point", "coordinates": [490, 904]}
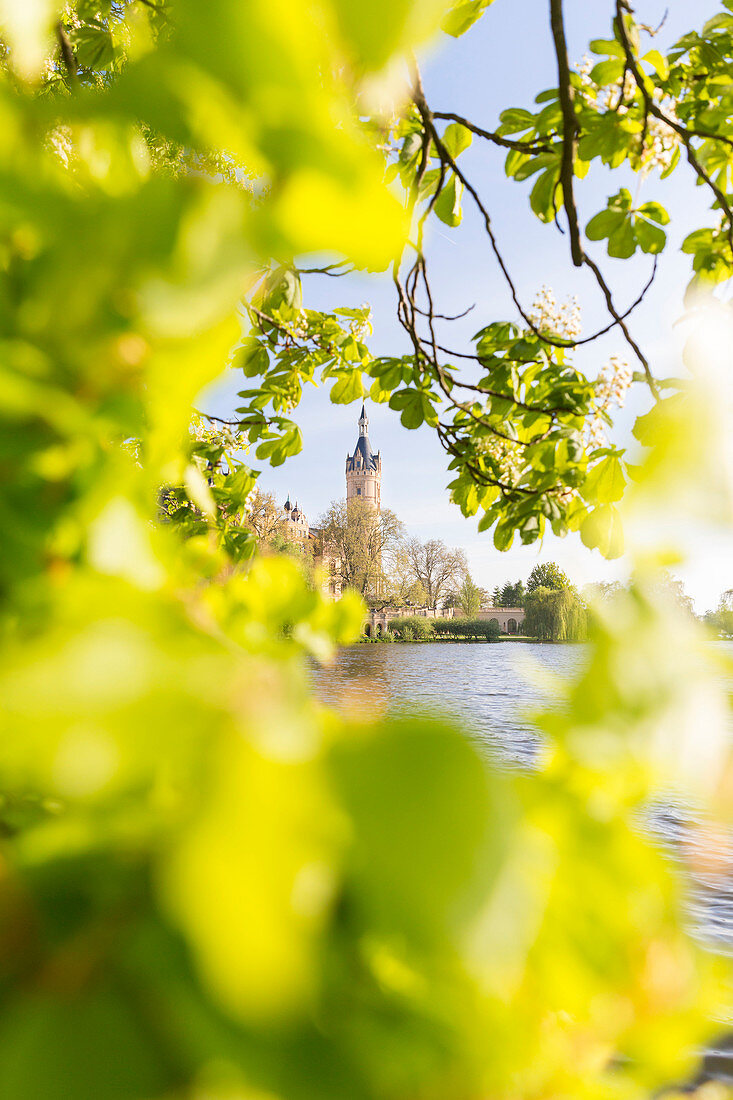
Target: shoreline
{"type": "Point", "coordinates": [448, 640]}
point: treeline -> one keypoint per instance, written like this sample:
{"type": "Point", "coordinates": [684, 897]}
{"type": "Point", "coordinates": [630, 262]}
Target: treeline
{"type": "Point", "coordinates": [720, 621]}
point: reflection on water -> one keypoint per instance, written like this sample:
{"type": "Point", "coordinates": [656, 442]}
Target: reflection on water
{"type": "Point", "coordinates": [492, 690]}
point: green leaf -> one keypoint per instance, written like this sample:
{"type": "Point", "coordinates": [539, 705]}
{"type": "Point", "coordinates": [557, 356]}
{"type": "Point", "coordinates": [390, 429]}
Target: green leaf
{"type": "Point", "coordinates": [95, 1046]}
{"type": "Point", "coordinates": [607, 72]}
{"type": "Point", "coordinates": [349, 387]}
{"type": "Point", "coordinates": [604, 224]}
{"type": "Point", "coordinates": [659, 62]}
{"type": "Point", "coordinates": [605, 482]}
{"type": "Point", "coordinates": [93, 47]}
{"type": "Point", "coordinates": [602, 530]}
{"type": "Point", "coordinates": [448, 203]}
{"type": "Point", "coordinates": [456, 138]}
{"type": "Point", "coordinates": [607, 46]}
{"type": "Point", "coordinates": [412, 405]}
{"type": "Point", "coordinates": [375, 36]}
{"type": "Point", "coordinates": [503, 535]}
{"type": "Point", "coordinates": [546, 195]}
{"type": "Point", "coordinates": [404, 780]}
{"type": "Point", "coordinates": [655, 212]}
{"type": "Point", "coordinates": [463, 15]}
{"type": "Point", "coordinates": [650, 237]}
{"type": "Point", "coordinates": [622, 243]}
{"type": "Point", "coordinates": [515, 120]}
{"type": "Point", "coordinates": [252, 358]}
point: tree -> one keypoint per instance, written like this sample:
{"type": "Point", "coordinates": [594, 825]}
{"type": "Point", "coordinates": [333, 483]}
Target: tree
{"type": "Point", "coordinates": [263, 515]}
{"type": "Point", "coordinates": [401, 588]}
{"type": "Point", "coordinates": [721, 620]}
{"type": "Point", "coordinates": [511, 595]}
{"type": "Point", "coordinates": [555, 615]}
{"type": "Point", "coordinates": [436, 567]}
{"type": "Point", "coordinates": [470, 596]}
{"type": "Point", "coordinates": [547, 575]}
{"type": "Point", "coordinates": [673, 589]}
{"type": "Point", "coordinates": [361, 543]}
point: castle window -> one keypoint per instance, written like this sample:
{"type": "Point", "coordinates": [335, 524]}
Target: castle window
{"type": "Point", "coordinates": [358, 492]}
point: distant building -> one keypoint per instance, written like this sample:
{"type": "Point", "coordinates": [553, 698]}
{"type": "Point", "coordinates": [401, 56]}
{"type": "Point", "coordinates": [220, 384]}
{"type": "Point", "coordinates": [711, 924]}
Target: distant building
{"type": "Point", "coordinates": [295, 523]}
{"type": "Point", "coordinates": [363, 482]}
{"type": "Point", "coordinates": [364, 469]}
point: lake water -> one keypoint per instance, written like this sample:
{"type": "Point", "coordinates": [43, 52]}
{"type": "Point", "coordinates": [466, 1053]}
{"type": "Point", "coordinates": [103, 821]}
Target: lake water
{"type": "Point", "coordinates": [488, 688]}
{"type": "Point", "coordinates": [491, 690]}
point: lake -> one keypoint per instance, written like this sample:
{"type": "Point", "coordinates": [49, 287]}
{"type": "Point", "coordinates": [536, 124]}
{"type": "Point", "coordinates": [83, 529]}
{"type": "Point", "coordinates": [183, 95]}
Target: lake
{"type": "Point", "coordinates": [491, 690]}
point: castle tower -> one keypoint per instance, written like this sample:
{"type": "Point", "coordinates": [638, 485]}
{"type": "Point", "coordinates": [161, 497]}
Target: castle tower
{"type": "Point", "coordinates": [364, 469]}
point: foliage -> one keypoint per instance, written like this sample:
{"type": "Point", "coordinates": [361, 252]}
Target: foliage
{"type": "Point", "coordinates": [467, 628]}
{"type": "Point", "coordinates": [720, 621]}
{"type": "Point", "coordinates": [210, 886]}
{"type": "Point", "coordinates": [511, 595]}
{"type": "Point", "coordinates": [555, 615]}
{"type": "Point", "coordinates": [412, 628]}
{"type": "Point", "coordinates": [470, 596]}
{"type": "Point", "coordinates": [547, 575]}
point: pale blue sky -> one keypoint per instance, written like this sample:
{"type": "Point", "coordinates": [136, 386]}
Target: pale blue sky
{"type": "Point", "coordinates": [505, 61]}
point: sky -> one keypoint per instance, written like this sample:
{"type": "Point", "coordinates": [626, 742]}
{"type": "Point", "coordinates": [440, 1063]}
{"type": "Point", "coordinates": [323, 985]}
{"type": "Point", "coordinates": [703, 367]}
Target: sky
{"type": "Point", "coordinates": [505, 60]}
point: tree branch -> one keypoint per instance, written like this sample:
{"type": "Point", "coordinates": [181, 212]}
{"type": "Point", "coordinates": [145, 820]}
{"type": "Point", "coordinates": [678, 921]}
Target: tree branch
{"type": "Point", "coordinates": [67, 52]}
{"type": "Point", "coordinates": [570, 129]}
{"type": "Point", "coordinates": [497, 139]}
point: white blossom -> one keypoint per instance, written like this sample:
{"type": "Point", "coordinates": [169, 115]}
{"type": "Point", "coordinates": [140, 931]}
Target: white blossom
{"type": "Point", "coordinates": [555, 318]}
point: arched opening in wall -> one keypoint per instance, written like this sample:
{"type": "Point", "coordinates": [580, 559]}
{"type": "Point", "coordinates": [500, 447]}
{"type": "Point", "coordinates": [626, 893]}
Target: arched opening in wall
{"type": "Point", "coordinates": [494, 622]}
{"type": "Point", "coordinates": [511, 626]}
{"type": "Point", "coordinates": [368, 630]}
{"type": "Point", "coordinates": [379, 629]}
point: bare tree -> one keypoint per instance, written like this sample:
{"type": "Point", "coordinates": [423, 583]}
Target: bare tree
{"type": "Point", "coordinates": [402, 589]}
{"type": "Point", "coordinates": [263, 515]}
{"type": "Point", "coordinates": [437, 567]}
{"type": "Point", "coordinates": [360, 543]}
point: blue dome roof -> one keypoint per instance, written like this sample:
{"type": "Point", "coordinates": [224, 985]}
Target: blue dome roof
{"type": "Point", "coordinates": [363, 448]}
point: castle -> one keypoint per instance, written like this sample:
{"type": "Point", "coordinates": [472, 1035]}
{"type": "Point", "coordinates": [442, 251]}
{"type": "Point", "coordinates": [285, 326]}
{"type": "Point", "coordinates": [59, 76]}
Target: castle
{"type": "Point", "coordinates": [364, 483]}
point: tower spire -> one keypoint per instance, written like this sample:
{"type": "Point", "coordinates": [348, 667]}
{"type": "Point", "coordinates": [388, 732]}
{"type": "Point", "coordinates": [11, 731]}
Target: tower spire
{"type": "Point", "coordinates": [364, 469]}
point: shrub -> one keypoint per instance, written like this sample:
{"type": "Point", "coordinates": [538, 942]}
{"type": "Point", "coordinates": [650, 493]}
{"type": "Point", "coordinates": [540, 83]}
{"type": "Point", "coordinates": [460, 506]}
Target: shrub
{"type": "Point", "coordinates": [467, 628]}
{"type": "Point", "coordinates": [412, 628]}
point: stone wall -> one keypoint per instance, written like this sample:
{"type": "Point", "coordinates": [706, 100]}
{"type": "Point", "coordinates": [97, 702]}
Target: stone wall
{"type": "Point", "coordinates": [377, 620]}
{"type": "Point", "coordinates": [508, 618]}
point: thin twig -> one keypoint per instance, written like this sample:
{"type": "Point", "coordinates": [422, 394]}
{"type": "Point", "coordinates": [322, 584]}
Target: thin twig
{"type": "Point", "coordinates": [447, 316]}
{"type": "Point", "coordinates": [529, 146]}
{"type": "Point", "coordinates": [329, 269]}
{"type": "Point", "coordinates": [622, 325]}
